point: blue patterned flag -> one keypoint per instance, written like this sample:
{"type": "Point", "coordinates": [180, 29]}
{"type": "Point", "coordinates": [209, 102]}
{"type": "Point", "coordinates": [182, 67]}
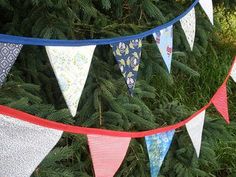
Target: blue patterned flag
{"type": "Point", "coordinates": [164, 41]}
{"type": "Point", "coordinates": [8, 55]}
{"type": "Point", "coordinates": [128, 56]}
{"type": "Point", "coordinates": [158, 146]}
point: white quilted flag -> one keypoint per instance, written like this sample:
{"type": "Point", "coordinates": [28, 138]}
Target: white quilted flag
{"type": "Point", "coordinates": [23, 146]}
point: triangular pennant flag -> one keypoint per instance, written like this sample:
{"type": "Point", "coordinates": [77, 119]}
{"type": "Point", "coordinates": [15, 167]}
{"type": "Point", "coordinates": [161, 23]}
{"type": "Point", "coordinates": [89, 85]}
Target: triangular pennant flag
{"type": "Point", "coordinates": [128, 56]}
{"type": "Point", "coordinates": [71, 66]}
{"type": "Point", "coordinates": [221, 103]}
{"type": "Point", "coordinates": [107, 153]}
{"type": "Point", "coordinates": [8, 55]}
{"type": "Point", "coordinates": [188, 23]}
{"type": "Point", "coordinates": [158, 146]}
{"type": "Point", "coordinates": [194, 128]}
{"type": "Point", "coordinates": [23, 146]}
{"type": "Point", "coordinates": [233, 71]}
{"type": "Point", "coordinates": [164, 41]}
{"type": "Point", "coordinates": [208, 8]}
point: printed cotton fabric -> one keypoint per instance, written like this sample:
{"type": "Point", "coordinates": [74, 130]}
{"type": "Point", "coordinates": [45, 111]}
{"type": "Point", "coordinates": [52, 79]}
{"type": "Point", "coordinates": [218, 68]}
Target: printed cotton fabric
{"type": "Point", "coordinates": [128, 56]}
{"type": "Point", "coordinates": [23, 146]}
{"type": "Point", "coordinates": [188, 23]}
{"type": "Point", "coordinates": [71, 66]}
{"type": "Point", "coordinates": [8, 55]}
{"type": "Point", "coordinates": [158, 146]}
{"type": "Point", "coordinates": [164, 41]}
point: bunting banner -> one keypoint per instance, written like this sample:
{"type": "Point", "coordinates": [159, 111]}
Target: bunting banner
{"type": "Point", "coordinates": [71, 66]}
{"type": "Point", "coordinates": [194, 128]}
{"type": "Point", "coordinates": [26, 139]}
{"type": "Point", "coordinates": [158, 146]}
{"type": "Point", "coordinates": [208, 8]}
{"type": "Point", "coordinates": [8, 55]}
{"type": "Point", "coordinates": [71, 59]}
{"type": "Point", "coordinates": [107, 153]}
{"type": "Point", "coordinates": [164, 41]}
{"type": "Point", "coordinates": [221, 103]}
{"type": "Point", "coordinates": [233, 72]}
{"type": "Point", "coordinates": [128, 56]}
{"type": "Point", "coordinates": [188, 23]}
{"type": "Point", "coordinates": [23, 146]}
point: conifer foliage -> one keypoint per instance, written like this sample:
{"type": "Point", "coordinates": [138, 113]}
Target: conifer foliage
{"type": "Point", "coordinates": [159, 97]}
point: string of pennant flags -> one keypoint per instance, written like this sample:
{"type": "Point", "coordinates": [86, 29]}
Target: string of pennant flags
{"type": "Point", "coordinates": [27, 139]}
{"type": "Point", "coordinates": [71, 59]}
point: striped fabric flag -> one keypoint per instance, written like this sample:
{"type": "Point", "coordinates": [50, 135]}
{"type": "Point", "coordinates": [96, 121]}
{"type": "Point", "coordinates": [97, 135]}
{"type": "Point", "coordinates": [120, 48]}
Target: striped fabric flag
{"type": "Point", "coordinates": [107, 153]}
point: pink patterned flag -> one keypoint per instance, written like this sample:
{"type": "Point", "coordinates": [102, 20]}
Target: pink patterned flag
{"type": "Point", "coordinates": [107, 153]}
{"type": "Point", "coordinates": [220, 102]}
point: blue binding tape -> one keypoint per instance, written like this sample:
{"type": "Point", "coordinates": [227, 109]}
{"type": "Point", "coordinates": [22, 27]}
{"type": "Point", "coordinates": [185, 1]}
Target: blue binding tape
{"type": "Point", "coordinates": [54, 42]}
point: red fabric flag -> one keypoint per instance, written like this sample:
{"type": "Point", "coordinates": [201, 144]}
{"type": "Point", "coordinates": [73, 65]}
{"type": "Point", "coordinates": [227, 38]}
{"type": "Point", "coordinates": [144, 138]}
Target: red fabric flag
{"type": "Point", "coordinates": [220, 102]}
{"type": "Point", "coordinates": [107, 153]}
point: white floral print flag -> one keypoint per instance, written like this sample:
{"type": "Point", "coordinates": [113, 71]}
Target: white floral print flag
{"type": "Point", "coordinates": [164, 41]}
{"type": "Point", "coordinates": [194, 128]}
{"type": "Point", "coordinates": [188, 23]}
{"type": "Point", "coordinates": [208, 8]}
{"type": "Point", "coordinates": [23, 146]}
{"type": "Point", "coordinates": [71, 66]}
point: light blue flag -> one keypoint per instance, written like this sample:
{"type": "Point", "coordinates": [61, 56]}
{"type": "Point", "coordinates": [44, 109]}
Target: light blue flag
{"type": "Point", "coordinates": [158, 146]}
{"type": "Point", "coordinates": [164, 41]}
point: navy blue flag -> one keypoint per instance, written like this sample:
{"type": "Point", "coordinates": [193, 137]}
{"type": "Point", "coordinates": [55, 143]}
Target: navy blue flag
{"type": "Point", "coordinates": [128, 56]}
